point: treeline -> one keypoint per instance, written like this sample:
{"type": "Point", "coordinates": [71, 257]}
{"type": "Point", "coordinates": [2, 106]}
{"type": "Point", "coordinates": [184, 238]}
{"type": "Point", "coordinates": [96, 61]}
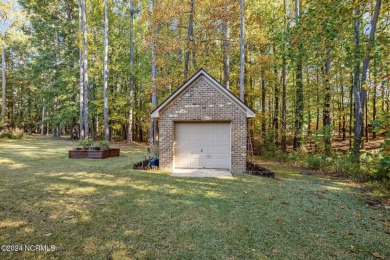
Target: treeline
{"type": "Point", "coordinates": [313, 69]}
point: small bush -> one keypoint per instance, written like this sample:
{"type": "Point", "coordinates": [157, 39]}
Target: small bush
{"type": "Point", "coordinates": [5, 134]}
{"type": "Point", "coordinates": [86, 143]}
{"type": "Point", "coordinates": [15, 133]}
{"type": "Point", "coordinates": [315, 161]}
{"type": "Point", "coordinates": [104, 144]}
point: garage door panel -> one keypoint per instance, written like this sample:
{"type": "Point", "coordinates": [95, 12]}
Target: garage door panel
{"type": "Point", "coordinates": [202, 145]}
{"type": "Point", "coordinates": [222, 138]}
{"type": "Point", "coordinates": [195, 137]}
{"type": "Point", "coordinates": [195, 149]}
{"type": "Point", "coordinates": [208, 150]}
{"type": "Point", "coordinates": [208, 138]}
{"type": "Point", "coordinates": [182, 137]}
{"type": "Point", "coordinates": [182, 149]}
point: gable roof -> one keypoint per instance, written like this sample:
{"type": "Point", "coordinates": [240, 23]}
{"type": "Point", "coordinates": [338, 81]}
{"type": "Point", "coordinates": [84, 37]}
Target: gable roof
{"type": "Point", "coordinates": [214, 83]}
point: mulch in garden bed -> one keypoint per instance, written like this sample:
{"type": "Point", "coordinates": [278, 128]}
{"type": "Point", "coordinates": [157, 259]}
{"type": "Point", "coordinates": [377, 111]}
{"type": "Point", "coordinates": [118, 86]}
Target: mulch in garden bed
{"type": "Point", "coordinates": [257, 170]}
{"type": "Point", "coordinates": [147, 164]}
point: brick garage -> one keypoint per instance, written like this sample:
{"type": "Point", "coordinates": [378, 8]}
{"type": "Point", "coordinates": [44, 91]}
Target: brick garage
{"type": "Point", "coordinates": [202, 125]}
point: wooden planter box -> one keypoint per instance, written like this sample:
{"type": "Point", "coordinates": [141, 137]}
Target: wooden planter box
{"type": "Point", "coordinates": [94, 154]}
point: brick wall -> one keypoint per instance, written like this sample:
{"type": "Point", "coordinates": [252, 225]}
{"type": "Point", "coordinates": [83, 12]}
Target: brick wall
{"type": "Point", "coordinates": [202, 102]}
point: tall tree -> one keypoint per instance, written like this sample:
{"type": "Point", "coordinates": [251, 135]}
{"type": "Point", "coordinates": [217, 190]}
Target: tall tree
{"type": "Point", "coordinates": [85, 69]}
{"type": "Point", "coordinates": [327, 100]}
{"type": "Point", "coordinates": [81, 75]}
{"type": "Point", "coordinates": [242, 50]}
{"type": "Point", "coordinates": [154, 71]}
{"type": "Point", "coordinates": [299, 87]}
{"type": "Point", "coordinates": [3, 16]}
{"type": "Point", "coordinates": [226, 55]}
{"type": "Point", "coordinates": [284, 83]}
{"type": "Point", "coordinates": [360, 92]}
{"type": "Point", "coordinates": [131, 87]}
{"type": "Point", "coordinates": [190, 39]}
{"type": "Point", "coordinates": [105, 72]}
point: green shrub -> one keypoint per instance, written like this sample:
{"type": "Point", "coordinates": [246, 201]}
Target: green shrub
{"type": "Point", "coordinates": [315, 161]}
{"type": "Point", "coordinates": [5, 134]}
{"type": "Point", "coordinates": [17, 133]}
{"type": "Point", "coordinates": [104, 144]}
{"type": "Point", "coordinates": [86, 143]}
{"type": "Point", "coordinates": [382, 126]}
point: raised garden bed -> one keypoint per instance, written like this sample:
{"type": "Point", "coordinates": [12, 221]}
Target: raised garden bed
{"type": "Point", "coordinates": [254, 169]}
{"type": "Point", "coordinates": [94, 154]}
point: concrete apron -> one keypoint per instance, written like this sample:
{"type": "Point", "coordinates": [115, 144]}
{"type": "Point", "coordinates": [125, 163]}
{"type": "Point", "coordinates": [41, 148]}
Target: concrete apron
{"type": "Point", "coordinates": [213, 173]}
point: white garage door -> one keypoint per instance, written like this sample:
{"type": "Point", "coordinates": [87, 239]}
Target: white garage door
{"type": "Point", "coordinates": [202, 145]}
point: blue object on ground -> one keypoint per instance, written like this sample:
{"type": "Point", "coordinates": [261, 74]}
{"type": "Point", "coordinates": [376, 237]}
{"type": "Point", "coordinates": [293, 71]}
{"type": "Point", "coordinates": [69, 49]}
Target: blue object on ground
{"type": "Point", "coordinates": [154, 162]}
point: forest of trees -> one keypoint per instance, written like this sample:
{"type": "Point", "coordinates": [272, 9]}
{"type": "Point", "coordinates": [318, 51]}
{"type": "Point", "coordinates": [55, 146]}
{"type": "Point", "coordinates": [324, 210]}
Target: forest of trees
{"type": "Point", "coordinates": [311, 70]}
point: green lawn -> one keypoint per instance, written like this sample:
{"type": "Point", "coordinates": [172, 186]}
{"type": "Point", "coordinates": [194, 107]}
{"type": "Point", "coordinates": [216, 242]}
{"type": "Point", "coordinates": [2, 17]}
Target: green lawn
{"type": "Point", "coordinates": [103, 209]}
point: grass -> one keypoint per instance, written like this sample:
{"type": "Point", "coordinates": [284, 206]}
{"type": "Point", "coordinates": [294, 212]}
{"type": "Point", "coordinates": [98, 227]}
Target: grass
{"type": "Point", "coordinates": [102, 209]}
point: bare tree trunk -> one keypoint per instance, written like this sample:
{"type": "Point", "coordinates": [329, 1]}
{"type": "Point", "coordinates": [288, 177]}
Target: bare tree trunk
{"type": "Point", "coordinates": [374, 105]}
{"type": "Point", "coordinates": [129, 136]}
{"type": "Point", "coordinates": [242, 51]}
{"type": "Point", "coordinates": [81, 76]}
{"type": "Point", "coordinates": [275, 122]}
{"type": "Point", "coordinates": [351, 116]}
{"type": "Point", "coordinates": [360, 93]}
{"type": "Point", "coordinates": [356, 83]}
{"type": "Point", "coordinates": [3, 79]}
{"type": "Point", "coordinates": [190, 38]}
{"type": "Point", "coordinates": [263, 96]}
{"type": "Point", "coordinates": [342, 108]}
{"type": "Point", "coordinates": [226, 56]}
{"type": "Point", "coordinates": [326, 116]}
{"type": "Point", "coordinates": [105, 72]}
{"type": "Point", "coordinates": [154, 75]}
{"type": "Point", "coordinates": [284, 85]}
{"type": "Point", "coordinates": [43, 118]}
{"type": "Point", "coordinates": [85, 70]}
{"type": "Point", "coordinates": [299, 91]}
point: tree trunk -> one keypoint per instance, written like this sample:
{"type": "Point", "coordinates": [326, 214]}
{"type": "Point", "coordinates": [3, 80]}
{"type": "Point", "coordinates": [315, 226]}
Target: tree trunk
{"type": "Point", "coordinates": [129, 136]}
{"type": "Point", "coordinates": [3, 79]}
{"type": "Point", "coordinates": [326, 116]}
{"type": "Point", "coordinates": [81, 76]}
{"type": "Point", "coordinates": [242, 52]}
{"type": "Point", "coordinates": [284, 85]}
{"type": "Point", "coordinates": [351, 115]}
{"type": "Point", "coordinates": [275, 122]}
{"type": "Point", "coordinates": [154, 75]}
{"type": "Point", "coordinates": [43, 119]}
{"type": "Point", "coordinates": [226, 56]}
{"type": "Point", "coordinates": [85, 70]}
{"type": "Point", "coordinates": [342, 108]}
{"type": "Point", "coordinates": [360, 93]}
{"type": "Point", "coordinates": [263, 96]}
{"type": "Point", "coordinates": [190, 38]}
{"type": "Point", "coordinates": [299, 92]}
{"type": "Point", "coordinates": [374, 100]}
{"type": "Point", "coordinates": [105, 72]}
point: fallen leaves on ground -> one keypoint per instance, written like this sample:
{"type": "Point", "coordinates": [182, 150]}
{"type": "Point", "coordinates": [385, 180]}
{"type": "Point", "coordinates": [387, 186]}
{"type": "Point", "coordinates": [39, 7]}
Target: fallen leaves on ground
{"type": "Point", "coordinates": [377, 255]}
